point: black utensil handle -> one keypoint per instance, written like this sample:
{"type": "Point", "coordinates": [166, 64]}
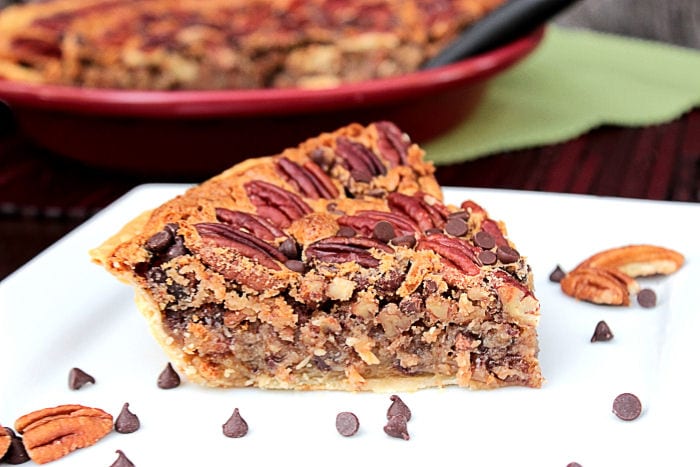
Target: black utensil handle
{"type": "Point", "coordinates": [508, 22]}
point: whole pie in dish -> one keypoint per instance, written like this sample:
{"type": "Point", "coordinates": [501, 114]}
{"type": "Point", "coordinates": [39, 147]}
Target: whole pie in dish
{"type": "Point", "coordinates": [333, 265]}
{"type": "Point", "coordinates": [225, 44]}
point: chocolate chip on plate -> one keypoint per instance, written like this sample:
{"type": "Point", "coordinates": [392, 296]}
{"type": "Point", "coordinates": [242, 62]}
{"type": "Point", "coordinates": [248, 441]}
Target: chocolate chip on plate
{"type": "Point", "coordinates": [396, 427]}
{"type": "Point", "coordinates": [487, 257]}
{"type": "Point", "coordinates": [646, 298]}
{"type": "Point", "coordinates": [235, 426]}
{"type": "Point", "coordinates": [456, 227]}
{"type": "Point", "coordinates": [627, 406]}
{"type": "Point", "coordinates": [384, 231]}
{"type": "Point", "coordinates": [122, 460]}
{"type": "Point", "coordinates": [557, 275]}
{"type": "Point", "coordinates": [77, 378]}
{"type": "Point", "coordinates": [602, 332]}
{"type": "Point", "coordinates": [398, 407]}
{"type": "Point", "coordinates": [484, 240]}
{"type": "Point", "coordinates": [126, 422]}
{"type": "Point", "coordinates": [168, 378]}
{"type": "Point", "coordinates": [507, 255]}
{"type": "Point", "coordinates": [347, 423]}
{"type": "Point", "coordinates": [16, 453]}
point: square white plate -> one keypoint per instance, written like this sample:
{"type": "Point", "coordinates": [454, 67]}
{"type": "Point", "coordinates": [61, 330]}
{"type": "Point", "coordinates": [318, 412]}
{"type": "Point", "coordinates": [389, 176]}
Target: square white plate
{"type": "Point", "coordinates": [60, 311]}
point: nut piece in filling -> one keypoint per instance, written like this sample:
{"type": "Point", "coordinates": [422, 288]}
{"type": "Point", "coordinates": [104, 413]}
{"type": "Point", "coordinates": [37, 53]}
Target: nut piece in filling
{"type": "Point", "coordinates": [333, 265]}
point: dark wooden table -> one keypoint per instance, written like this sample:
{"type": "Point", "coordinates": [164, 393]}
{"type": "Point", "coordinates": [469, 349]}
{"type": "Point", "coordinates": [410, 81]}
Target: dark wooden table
{"type": "Point", "coordinates": [44, 196]}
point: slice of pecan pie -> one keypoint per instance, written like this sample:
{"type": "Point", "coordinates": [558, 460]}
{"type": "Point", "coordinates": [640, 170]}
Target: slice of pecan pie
{"type": "Point", "coordinates": [333, 265]}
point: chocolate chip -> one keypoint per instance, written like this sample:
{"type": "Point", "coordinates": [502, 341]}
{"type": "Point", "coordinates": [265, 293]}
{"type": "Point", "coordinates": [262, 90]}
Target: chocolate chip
{"type": "Point", "coordinates": [627, 406]}
{"type": "Point", "coordinates": [159, 241]}
{"type": "Point", "coordinates": [398, 407]}
{"type": "Point", "coordinates": [409, 241]}
{"type": "Point", "coordinates": [77, 378]}
{"type": "Point", "coordinates": [346, 231]}
{"type": "Point", "coordinates": [456, 227]}
{"type": "Point", "coordinates": [487, 257]}
{"type": "Point", "coordinates": [557, 275]}
{"type": "Point", "coordinates": [464, 215]}
{"type": "Point", "coordinates": [602, 332]}
{"type": "Point", "coordinates": [175, 250]}
{"type": "Point", "coordinates": [347, 423]}
{"type": "Point", "coordinates": [433, 231]}
{"type": "Point", "coordinates": [289, 248]}
{"type": "Point", "coordinates": [122, 460]}
{"type": "Point", "coordinates": [484, 240]}
{"type": "Point", "coordinates": [396, 427]}
{"type": "Point", "coordinates": [573, 464]}
{"type": "Point", "coordinates": [16, 454]}
{"type": "Point", "coordinates": [384, 231]}
{"type": "Point", "coordinates": [126, 422]}
{"type": "Point", "coordinates": [295, 265]}
{"type": "Point", "coordinates": [235, 426]}
{"type": "Point", "coordinates": [507, 255]}
{"type": "Point", "coordinates": [646, 298]}
{"type": "Point", "coordinates": [168, 378]}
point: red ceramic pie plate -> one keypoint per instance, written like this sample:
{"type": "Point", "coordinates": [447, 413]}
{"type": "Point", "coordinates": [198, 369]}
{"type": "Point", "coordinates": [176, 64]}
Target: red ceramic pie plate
{"type": "Point", "coordinates": [198, 133]}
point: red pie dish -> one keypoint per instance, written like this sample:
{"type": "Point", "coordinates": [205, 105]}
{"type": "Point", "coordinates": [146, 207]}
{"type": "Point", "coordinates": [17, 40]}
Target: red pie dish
{"type": "Point", "coordinates": [198, 133]}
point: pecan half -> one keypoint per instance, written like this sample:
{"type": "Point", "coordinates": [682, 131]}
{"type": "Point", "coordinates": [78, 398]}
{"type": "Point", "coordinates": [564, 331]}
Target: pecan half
{"type": "Point", "coordinates": [52, 433]}
{"type": "Point", "coordinates": [223, 235]}
{"type": "Point", "coordinates": [362, 163]}
{"type": "Point", "coordinates": [426, 215]}
{"type": "Point", "coordinates": [5, 441]}
{"type": "Point", "coordinates": [392, 143]}
{"type": "Point", "coordinates": [345, 249]}
{"type": "Point", "coordinates": [309, 179]}
{"type": "Point", "coordinates": [603, 286]}
{"type": "Point", "coordinates": [256, 225]}
{"type": "Point", "coordinates": [364, 222]}
{"type": "Point", "coordinates": [637, 260]}
{"type": "Point", "coordinates": [278, 205]}
{"type": "Point", "coordinates": [454, 252]}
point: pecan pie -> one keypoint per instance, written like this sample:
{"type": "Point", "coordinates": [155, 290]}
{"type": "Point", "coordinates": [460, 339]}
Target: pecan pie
{"type": "Point", "coordinates": [333, 265]}
{"type": "Point", "coordinates": [219, 44]}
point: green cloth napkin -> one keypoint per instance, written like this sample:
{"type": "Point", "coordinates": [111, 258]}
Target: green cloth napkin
{"type": "Point", "coordinates": [575, 81]}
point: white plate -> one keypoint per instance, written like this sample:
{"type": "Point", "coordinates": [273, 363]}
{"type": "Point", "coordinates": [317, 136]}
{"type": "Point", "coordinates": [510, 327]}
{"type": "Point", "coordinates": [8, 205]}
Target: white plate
{"type": "Point", "coordinates": [60, 311]}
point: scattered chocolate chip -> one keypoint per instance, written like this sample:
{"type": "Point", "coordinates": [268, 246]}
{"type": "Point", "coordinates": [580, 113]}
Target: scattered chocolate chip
{"type": "Point", "coordinates": [126, 422]}
{"type": "Point", "coordinates": [346, 231]}
{"type": "Point", "coordinates": [433, 231]}
{"type": "Point", "coordinates": [464, 215]}
{"type": "Point", "coordinates": [627, 406]}
{"type": "Point", "coordinates": [646, 298]}
{"type": "Point", "coordinates": [396, 427]}
{"type": "Point", "coordinates": [295, 265]}
{"type": "Point", "coordinates": [409, 241]}
{"type": "Point", "coordinates": [487, 257]}
{"type": "Point", "coordinates": [347, 423]}
{"type": "Point", "coordinates": [384, 231]}
{"type": "Point", "coordinates": [159, 241]}
{"type": "Point", "coordinates": [122, 460]}
{"type": "Point", "coordinates": [77, 378]}
{"type": "Point", "coordinates": [398, 407]}
{"type": "Point", "coordinates": [456, 227]}
{"type": "Point", "coordinates": [484, 240]}
{"type": "Point", "coordinates": [168, 378]}
{"type": "Point", "coordinates": [289, 248]}
{"type": "Point", "coordinates": [507, 255]}
{"type": "Point", "coordinates": [557, 275]}
{"type": "Point", "coordinates": [602, 332]}
{"type": "Point", "coordinates": [16, 454]}
{"type": "Point", "coordinates": [235, 426]}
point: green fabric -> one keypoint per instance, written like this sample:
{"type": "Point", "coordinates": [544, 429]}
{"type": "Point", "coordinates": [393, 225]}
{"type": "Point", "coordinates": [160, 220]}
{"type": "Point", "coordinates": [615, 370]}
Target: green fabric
{"type": "Point", "coordinates": [575, 81]}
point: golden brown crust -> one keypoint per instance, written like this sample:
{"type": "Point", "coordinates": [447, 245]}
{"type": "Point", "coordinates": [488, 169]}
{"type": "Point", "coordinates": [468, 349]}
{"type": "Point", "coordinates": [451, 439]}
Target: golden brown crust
{"type": "Point", "coordinates": [334, 265]}
{"type": "Point", "coordinates": [220, 44]}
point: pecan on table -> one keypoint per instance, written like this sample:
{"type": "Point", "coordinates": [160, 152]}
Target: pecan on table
{"type": "Point", "coordinates": [52, 433]}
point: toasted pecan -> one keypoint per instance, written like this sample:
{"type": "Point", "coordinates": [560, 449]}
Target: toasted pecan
{"type": "Point", "coordinates": [637, 260]}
